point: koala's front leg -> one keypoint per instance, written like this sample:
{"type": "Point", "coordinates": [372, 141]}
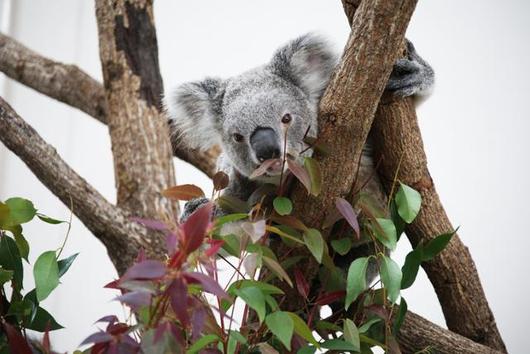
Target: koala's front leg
{"type": "Point", "coordinates": [191, 206]}
{"type": "Point", "coordinates": [411, 75]}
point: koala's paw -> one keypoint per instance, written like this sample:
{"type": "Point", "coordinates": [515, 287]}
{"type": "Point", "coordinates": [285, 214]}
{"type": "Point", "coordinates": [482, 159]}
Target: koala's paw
{"type": "Point", "coordinates": [191, 206]}
{"type": "Point", "coordinates": [411, 76]}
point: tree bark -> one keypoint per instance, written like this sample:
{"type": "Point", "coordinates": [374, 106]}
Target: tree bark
{"type": "Point", "coordinates": [397, 137]}
{"type": "Point", "coordinates": [133, 88]}
{"type": "Point", "coordinates": [417, 334]}
{"type": "Point", "coordinates": [346, 113]}
{"type": "Point", "coordinates": [111, 225]}
{"type": "Point", "coordinates": [397, 142]}
{"type": "Point", "coordinates": [71, 85]}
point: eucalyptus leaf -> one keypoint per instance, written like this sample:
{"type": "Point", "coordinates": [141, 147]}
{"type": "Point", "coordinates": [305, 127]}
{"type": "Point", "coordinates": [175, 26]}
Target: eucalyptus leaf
{"type": "Point", "coordinates": [282, 326]}
{"type": "Point", "coordinates": [391, 277]}
{"type": "Point", "coordinates": [46, 273]}
{"type": "Point", "coordinates": [351, 334]}
{"type": "Point", "coordinates": [282, 205]}
{"type": "Point", "coordinates": [315, 243]}
{"type": "Point", "coordinates": [20, 211]}
{"type": "Point", "coordinates": [356, 280]}
{"type": "Point", "coordinates": [254, 298]}
{"type": "Point", "coordinates": [408, 201]}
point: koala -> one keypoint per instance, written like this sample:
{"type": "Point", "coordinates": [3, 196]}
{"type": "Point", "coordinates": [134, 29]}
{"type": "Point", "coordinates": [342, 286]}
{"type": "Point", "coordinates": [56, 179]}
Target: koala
{"type": "Point", "coordinates": [252, 116]}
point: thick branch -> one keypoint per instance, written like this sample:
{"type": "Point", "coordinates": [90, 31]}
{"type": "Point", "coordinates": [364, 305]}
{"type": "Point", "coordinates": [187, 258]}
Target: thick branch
{"type": "Point", "coordinates": [133, 86]}
{"type": "Point", "coordinates": [347, 110]}
{"type": "Point", "coordinates": [417, 334]}
{"type": "Point", "coordinates": [71, 85]}
{"type": "Point", "coordinates": [108, 223]}
{"type": "Point", "coordinates": [396, 137]}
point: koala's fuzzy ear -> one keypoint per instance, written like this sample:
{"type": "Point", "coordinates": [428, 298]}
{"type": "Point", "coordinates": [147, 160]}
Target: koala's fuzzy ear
{"type": "Point", "coordinates": [194, 110]}
{"type": "Point", "coordinates": [308, 62]}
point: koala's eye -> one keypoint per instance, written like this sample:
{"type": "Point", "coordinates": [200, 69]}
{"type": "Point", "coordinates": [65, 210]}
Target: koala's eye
{"type": "Point", "coordinates": [238, 137]}
{"type": "Point", "coordinates": [286, 119]}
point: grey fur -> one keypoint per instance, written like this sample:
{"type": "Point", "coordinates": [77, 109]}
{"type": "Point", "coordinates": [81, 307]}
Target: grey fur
{"type": "Point", "coordinates": [209, 112]}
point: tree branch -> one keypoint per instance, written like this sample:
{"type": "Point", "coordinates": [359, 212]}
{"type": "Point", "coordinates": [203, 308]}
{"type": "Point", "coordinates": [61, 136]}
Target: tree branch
{"type": "Point", "coordinates": [417, 334]}
{"type": "Point", "coordinates": [122, 238]}
{"type": "Point", "coordinates": [71, 85]}
{"type": "Point", "coordinates": [398, 144]}
{"type": "Point", "coordinates": [396, 137]}
{"type": "Point", "coordinates": [346, 113]}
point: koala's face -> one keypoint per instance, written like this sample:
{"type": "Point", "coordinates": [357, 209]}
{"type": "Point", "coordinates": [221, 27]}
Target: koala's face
{"type": "Point", "coordinates": [261, 114]}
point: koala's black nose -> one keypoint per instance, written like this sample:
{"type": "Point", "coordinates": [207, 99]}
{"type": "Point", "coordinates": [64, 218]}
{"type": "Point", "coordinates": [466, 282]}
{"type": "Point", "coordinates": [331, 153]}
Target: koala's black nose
{"type": "Point", "coordinates": [265, 143]}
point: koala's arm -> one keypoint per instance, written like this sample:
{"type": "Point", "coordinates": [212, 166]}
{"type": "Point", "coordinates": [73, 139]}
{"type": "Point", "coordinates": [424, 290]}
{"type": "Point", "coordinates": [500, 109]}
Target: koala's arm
{"type": "Point", "coordinates": [411, 76]}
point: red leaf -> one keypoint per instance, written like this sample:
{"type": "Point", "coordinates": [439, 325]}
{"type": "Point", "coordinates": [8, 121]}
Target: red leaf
{"type": "Point", "coordinates": [215, 245]}
{"type": "Point", "coordinates": [300, 173]}
{"type": "Point", "coordinates": [115, 284]}
{"type": "Point", "coordinates": [208, 284]}
{"type": "Point", "coordinates": [345, 208]}
{"type": "Point", "coordinates": [17, 343]}
{"type": "Point", "coordinates": [329, 298]}
{"type": "Point", "coordinates": [98, 337]}
{"type": "Point", "coordinates": [198, 319]}
{"type": "Point", "coordinates": [220, 180]}
{"type": "Point", "coordinates": [196, 227]}
{"type": "Point", "coordinates": [135, 299]}
{"type": "Point", "coordinates": [145, 270]}
{"type": "Point", "coordinates": [178, 295]}
{"type": "Point", "coordinates": [183, 192]}
{"type": "Point", "coordinates": [378, 310]}
{"type": "Point", "coordinates": [301, 283]}
{"type": "Point", "coordinates": [46, 339]}
{"type": "Point", "coordinates": [111, 319]}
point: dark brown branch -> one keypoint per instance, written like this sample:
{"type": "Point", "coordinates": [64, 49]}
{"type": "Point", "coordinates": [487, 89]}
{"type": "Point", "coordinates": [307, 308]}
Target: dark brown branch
{"type": "Point", "coordinates": [107, 222]}
{"type": "Point", "coordinates": [396, 136]}
{"type": "Point", "coordinates": [71, 85]}
{"type": "Point", "coordinates": [417, 334]}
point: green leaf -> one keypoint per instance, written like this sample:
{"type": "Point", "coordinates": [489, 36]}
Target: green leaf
{"type": "Point", "coordinates": [10, 259]}
{"type": "Point", "coordinates": [356, 280]}
{"type": "Point", "coordinates": [366, 326]}
{"type": "Point", "coordinates": [232, 245]}
{"type": "Point", "coordinates": [277, 269]}
{"type": "Point", "coordinates": [282, 205]}
{"type": "Point", "coordinates": [46, 273]}
{"type": "Point", "coordinates": [5, 276]}
{"type": "Point", "coordinates": [4, 214]}
{"type": "Point", "coordinates": [265, 288]}
{"type": "Point", "coordinates": [339, 344]}
{"type": "Point", "coordinates": [282, 326]}
{"type": "Point", "coordinates": [254, 298]}
{"type": "Point", "coordinates": [411, 267]}
{"type": "Point", "coordinates": [315, 175]}
{"type": "Point", "coordinates": [238, 337]}
{"type": "Point", "coordinates": [400, 316]}
{"type": "Point", "coordinates": [342, 246]}
{"type": "Point", "coordinates": [408, 201]}
{"type": "Point", "coordinates": [351, 334]}
{"type": "Point", "coordinates": [40, 321]}
{"type": "Point", "coordinates": [385, 231]}
{"type": "Point", "coordinates": [315, 243]}
{"type": "Point", "coordinates": [64, 264]}
{"type": "Point", "coordinates": [391, 277]}
{"type": "Point", "coordinates": [22, 244]}
{"type": "Point", "coordinates": [229, 218]}
{"type": "Point", "coordinates": [49, 220]}
{"type": "Point", "coordinates": [436, 245]}
{"type": "Point", "coordinates": [201, 343]}
{"type": "Point", "coordinates": [307, 350]}
{"type": "Point", "coordinates": [301, 328]}
{"type": "Point", "coordinates": [20, 211]}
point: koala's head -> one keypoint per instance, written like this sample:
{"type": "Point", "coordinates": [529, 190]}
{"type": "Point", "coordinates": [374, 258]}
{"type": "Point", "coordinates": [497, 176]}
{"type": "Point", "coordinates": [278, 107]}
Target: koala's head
{"type": "Point", "coordinates": [251, 114]}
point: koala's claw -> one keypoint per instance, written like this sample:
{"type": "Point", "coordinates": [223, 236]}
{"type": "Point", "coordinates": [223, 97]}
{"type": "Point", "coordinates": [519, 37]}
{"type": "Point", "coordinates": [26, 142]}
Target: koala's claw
{"type": "Point", "coordinates": [191, 206]}
{"type": "Point", "coordinates": [410, 76]}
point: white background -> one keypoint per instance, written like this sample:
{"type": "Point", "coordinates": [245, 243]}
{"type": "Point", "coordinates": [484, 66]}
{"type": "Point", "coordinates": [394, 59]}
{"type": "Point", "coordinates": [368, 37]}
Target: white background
{"type": "Point", "coordinates": [475, 128]}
